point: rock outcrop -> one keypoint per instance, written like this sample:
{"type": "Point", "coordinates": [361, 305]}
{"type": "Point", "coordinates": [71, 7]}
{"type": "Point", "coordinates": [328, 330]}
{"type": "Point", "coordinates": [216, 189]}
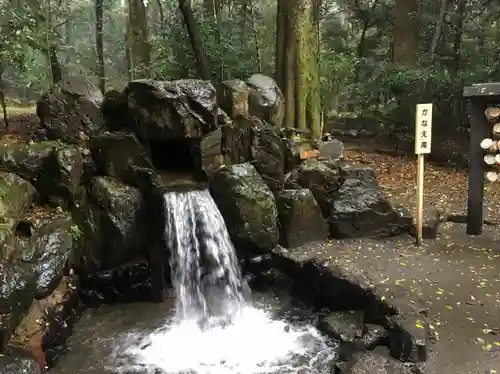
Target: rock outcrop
{"type": "Point", "coordinates": [248, 207]}
{"type": "Point", "coordinates": [71, 110]}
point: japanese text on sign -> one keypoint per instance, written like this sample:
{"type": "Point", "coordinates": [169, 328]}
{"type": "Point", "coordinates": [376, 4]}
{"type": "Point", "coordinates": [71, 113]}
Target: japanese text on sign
{"type": "Point", "coordinates": [423, 129]}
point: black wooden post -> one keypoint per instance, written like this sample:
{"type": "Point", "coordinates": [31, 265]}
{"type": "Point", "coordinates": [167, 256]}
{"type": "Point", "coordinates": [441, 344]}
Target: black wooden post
{"type": "Point", "coordinates": [479, 96]}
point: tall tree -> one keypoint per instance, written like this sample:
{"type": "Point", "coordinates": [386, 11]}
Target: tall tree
{"type": "Point", "coordinates": [406, 32]}
{"type": "Point", "coordinates": [139, 39]}
{"type": "Point", "coordinates": [202, 62]}
{"type": "Point", "coordinates": [99, 4]}
{"type": "Point", "coordinates": [297, 69]}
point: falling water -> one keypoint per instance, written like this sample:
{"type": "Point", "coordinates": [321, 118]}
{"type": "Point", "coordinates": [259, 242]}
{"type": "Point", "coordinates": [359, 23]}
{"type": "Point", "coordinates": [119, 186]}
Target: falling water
{"type": "Point", "coordinates": [205, 271]}
{"type": "Point", "coordinates": [216, 329]}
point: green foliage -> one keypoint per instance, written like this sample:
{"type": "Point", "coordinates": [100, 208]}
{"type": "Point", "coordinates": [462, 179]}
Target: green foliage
{"type": "Point", "coordinates": [356, 70]}
{"type": "Point", "coordinates": [76, 233]}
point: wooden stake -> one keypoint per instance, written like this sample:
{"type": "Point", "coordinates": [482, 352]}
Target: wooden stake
{"type": "Point", "coordinates": [420, 196]}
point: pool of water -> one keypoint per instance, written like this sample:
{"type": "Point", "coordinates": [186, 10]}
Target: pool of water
{"type": "Point", "coordinates": [273, 335]}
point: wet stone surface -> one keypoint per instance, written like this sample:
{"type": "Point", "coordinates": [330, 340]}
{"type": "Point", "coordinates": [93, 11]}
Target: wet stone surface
{"type": "Point", "coordinates": [449, 287]}
{"type": "Point", "coordinates": [17, 365]}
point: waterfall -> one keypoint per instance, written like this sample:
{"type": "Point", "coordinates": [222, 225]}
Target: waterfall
{"type": "Point", "coordinates": [205, 271]}
{"type": "Point", "coordinates": [216, 329]}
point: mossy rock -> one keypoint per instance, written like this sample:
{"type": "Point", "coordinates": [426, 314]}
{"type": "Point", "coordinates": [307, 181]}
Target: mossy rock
{"type": "Point", "coordinates": [16, 196]}
{"type": "Point", "coordinates": [248, 207]}
{"type": "Point", "coordinates": [54, 168]}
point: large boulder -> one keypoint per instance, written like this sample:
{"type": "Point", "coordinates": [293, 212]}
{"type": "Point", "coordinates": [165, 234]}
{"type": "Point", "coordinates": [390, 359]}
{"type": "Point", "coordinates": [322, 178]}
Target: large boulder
{"type": "Point", "coordinates": [232, 98]}
{"type": "Point", "coordinates": [248, 139]}
{"type": "Point", "coordinates": [16, 196]}
{"type": "Point", "coordinates": [163, 110]}
{"type": "Point", "coordinates": [265, 99]}
{"type": "Point", "coordinates": [60, 179]}
{"type": "Point", "coordinates": [49, 247]}
{"type": "Point", "coordinates": [361, 208]}
{"type": "Point", "coordinates": [268, 155]}
{"type": "Point", "coordinates": [112, 223]}
{"type": "Point", "coordinates": [323, 180]}
{"type": "Point", "coordinates": [332, 150]}
{"type": "Point", "coordinates": [43, 332]}
{"type": "Point", "coordinates": [211, 152]}
{"type": "Point", "coordinates": [18, 365]}
{"type": "Point", "coordinates": [114, 110]}
{"type": "Point", "coordinates": [300, 217]}
{"type": "Point", "coordinates": [71, 110]}
{"type": "Point", "coordinates": [26, 159]}
{"type": "Point", "coordinates": [18, 290]}
{"type": "Point", "coordinates": [247, 205]}
{"type": "Point", "coordinates": [54, 169]}
{"type": "Point", "coordinates": [117, 154]}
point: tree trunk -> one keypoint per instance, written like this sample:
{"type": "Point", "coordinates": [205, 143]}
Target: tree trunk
{"type": "Point", "coordinates": [255, 34]}
{"type": "Point", "coordinates": [406, 33]}
{"type": "Point", "coordinates": [297, 64]}
{"type": "Point", "coordinates": [99, 44]}
{"type": "Point", "coordinates": [140, 48]}
{"type": "Point", "coordinates": [55, 65]}
{"type": "Point", "coordinates": [438, 30]}
{"type": "Point", "coordinates": [2, 102]}
{"type": "Point", "coordinates": [202, 62]}
{"type": "Point", "coordinates": [360, 49]}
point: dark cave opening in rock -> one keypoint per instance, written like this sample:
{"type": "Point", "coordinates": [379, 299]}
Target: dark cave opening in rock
{"type": "Point", "coordinates": [176, 156]}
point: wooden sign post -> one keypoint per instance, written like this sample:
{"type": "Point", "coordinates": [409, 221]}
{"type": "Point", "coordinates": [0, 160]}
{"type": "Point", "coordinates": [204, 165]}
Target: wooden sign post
{"type": "Point", "coordinates": [423, 132]}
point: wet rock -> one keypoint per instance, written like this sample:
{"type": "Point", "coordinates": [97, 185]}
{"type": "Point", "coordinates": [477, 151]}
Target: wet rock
{"type": "Point", "coordinates": [236, 140]}
{"type": "Point", "coordinates": [361, 208]}
{"type": "Point", "coordinates": [248, 139]}
{"type": "Point", "coordinates": [265, 99]}
{"type": "Point", "coordinates": [18, 290]}
{"type": "Point", "coordinates": [333, 150]}
{"type": "Point", "coordinates": [61, 175]}
{"type": "Point", "coordinates": [377, 362]}
{"type": "Point", "coordinates": [405, 217]}
{"type": "Point", "coordinates": [114, 110]}
{"type": "Point", "coordinates": [232, 98]}
{"type": "Point", "coordinates": [247, 205]}
{"type": "Point", "coordinates": [268, 155]}
{"type": "Point", "coordinates": [330, 285]}
{"type": "Point", "coordinates": [211, 152]}
{"type": "Point", "coordinates": [16, 196]}
{"type": "Point", "coordinates": [127, 283]}
{"type": "Point", "coordinates": [116, 154]}
{"type": "Point", "coordinates": [43, 332]}
{"type": "Point", "coordinates": [358, 171]}
{"type": "Point", "coordinates": [113, 226]}
{"type": "Point", "coordinates": [300, 218]}
{"type": "Point", "coordinates": [322, 180]}
{"type": "Point", "coordinates": [71, 110]}
{"type": "Point", "coordinates": [343, 325]}
{"type": "Point", "coordinates": [408, 332]}
{"type": "Point", "coordinates": [164, 110]}
{"type": "Point", "coordinates": [18, 365]}
{"type": "Point", "coordinates": [292, 154]}
{"type": "Point", "coordinates": [374, 336]}
{"type": "Point", "coordinates": [26, 159]}
{"type": "Point", "coordinates": [431, 222]}
{"type": "Point", "coordinates": [89, 166]}
{"type": "Point", "coordinates": [49, 250]}
{"type": "Point", "coordinates": [54, 169]}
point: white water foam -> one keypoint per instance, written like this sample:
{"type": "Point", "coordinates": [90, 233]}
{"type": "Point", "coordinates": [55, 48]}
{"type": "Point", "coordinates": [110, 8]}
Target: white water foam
{"type": "Point", "coordinates": [215, 330]}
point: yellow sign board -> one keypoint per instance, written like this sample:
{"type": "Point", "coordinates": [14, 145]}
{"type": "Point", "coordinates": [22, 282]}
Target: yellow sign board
{"type": "Point", "coordinates": [423, 129]}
